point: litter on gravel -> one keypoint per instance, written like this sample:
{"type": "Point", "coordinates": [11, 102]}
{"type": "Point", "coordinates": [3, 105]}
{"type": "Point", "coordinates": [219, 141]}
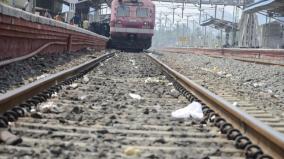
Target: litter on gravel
{"type": "Point", "coordinates": [193, 110]}
{"type": "Point", "coordinates": [132, 151]}
{"type": "Point", "coordinates": [54, 95]}
{"type": "Point", "coordinates": [73, 85]}
{"type": "Point", "coordinates": [86, 79]}
{"type": "Point", "coordinates": [135, 96]}
{"type": "Point", "coordinates": [48, 107]}
{"type": "Point", "coordinates": [42, 76]}
{"type": "Point", "coordinates": [152, 80]}
{"type": "Point", "coordinates": [174, 93]}
{"type": "Point", "coordinates": [235, 104]}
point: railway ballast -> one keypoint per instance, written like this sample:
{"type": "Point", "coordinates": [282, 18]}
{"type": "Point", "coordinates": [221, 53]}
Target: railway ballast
{"type": "Point", "coordinates": [122, 108]}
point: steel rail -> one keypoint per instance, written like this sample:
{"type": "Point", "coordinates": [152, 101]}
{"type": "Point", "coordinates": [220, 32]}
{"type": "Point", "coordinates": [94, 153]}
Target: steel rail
{"type": "Point", "coordinates": [271, 141]}
{"type": "Point", "coordinates": [258, 61]}
{"type": "Point", "coordinates": [250, 60]}
{"type": "Point", "coordinates": [19, 95]}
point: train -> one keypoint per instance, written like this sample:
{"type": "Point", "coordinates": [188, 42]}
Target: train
{"type": "Point", "coordinates": [132, 24]}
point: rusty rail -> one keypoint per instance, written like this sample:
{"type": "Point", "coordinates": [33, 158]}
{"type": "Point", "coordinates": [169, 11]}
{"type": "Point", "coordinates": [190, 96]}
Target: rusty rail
{"type": "Point", "coordinates": [265, 56]}
{"type": "Point", "coordinates": [17, 96]}
{"type": "Point", "coordinates": [271, 141]}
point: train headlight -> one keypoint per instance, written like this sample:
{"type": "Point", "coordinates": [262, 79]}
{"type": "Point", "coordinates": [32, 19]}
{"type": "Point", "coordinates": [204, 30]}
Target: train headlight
{"type": "Point", "coordinates": [146, 25]}
{"type": "Point", "coordinates": [118, 23]}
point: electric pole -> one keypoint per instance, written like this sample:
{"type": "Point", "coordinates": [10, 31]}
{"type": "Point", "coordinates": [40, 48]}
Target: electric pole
{"type": "Point", "coordinates": [174, 8]}
{"type": "Point", "coordinates": [166, 20]}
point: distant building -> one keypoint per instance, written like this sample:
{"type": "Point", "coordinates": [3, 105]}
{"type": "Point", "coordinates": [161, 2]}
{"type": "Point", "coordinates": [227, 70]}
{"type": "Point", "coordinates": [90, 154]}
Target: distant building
{"type": "Point", "coordinates": [272, 35]}
{"type": "Point", "coordinates": [53, 6]}
{"type": "Point", "coordinates": [22, 4]}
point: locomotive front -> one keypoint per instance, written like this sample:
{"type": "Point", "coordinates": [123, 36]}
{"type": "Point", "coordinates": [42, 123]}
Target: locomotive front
{"type": "Point", "coordinates": [132, 24]}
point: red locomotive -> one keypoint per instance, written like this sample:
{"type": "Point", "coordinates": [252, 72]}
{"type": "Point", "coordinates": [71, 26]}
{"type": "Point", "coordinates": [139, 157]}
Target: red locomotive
{"type": "Point", "coordinates": [132, 24]}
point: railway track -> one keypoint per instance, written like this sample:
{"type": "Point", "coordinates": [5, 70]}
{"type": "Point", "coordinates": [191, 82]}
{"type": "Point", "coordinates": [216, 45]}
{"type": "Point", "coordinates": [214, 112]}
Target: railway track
{"type": "Point", "coordinates": [20, 73]}
{"type": "Point", "coordinates": [236, 96]}
{"type": "Point", "coordinates": [122, 108]}
{"type": "Point", "coordinates": [240, 57]}
{"type": "Point", "coordinates": [264, 115]}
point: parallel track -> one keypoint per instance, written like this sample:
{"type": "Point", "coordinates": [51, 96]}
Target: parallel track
{"type": "Point", "coordinates": [272, 141]}
{"type": "Point", "coordinates": [249, 59]}
{"type": "Point", "coordinates": [98, 118]}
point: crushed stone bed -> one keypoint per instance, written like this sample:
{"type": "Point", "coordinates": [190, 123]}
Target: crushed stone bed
{"type": "Point", "coordinates": [23, 72]}
{"type": "Point", "coordinates": [261, 85]}
{"type": "Point", "coordinates": [120, 109]}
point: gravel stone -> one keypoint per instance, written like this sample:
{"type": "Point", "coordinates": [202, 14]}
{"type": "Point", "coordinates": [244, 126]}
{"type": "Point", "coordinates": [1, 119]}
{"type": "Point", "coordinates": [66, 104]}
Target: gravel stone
{"type": "Point", "coordinates": [262, 85]}
{"type": "Point", "coordinates": [109, 120]}
{"type": "Point", "coordinates": [39, 66]}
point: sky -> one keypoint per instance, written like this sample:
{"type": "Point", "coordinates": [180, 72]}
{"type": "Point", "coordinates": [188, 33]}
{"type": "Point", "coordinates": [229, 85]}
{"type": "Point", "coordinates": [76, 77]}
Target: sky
{"type": "Point", "coordinates": [165, 8]}
{"type": "Point", "coordinates": [189, 9]}
{"type": "Point", "coordinates": [194, 10]}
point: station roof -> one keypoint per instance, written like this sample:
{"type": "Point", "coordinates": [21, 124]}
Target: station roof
{"type": "Point", "coordinates": [274, 6]}
{"type": "Point", "coordinates": [89, 3]}
{"type": "Point", "coordinates": [220, 24]}
{"type": "Point", "coordinates": [210, 2]}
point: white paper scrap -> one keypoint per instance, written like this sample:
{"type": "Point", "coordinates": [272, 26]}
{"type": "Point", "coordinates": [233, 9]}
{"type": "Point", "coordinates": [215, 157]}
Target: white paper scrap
{"type": "Point", "coordinates": [135, 96]}
{"type": "Point", "coordinates": [193, 110]}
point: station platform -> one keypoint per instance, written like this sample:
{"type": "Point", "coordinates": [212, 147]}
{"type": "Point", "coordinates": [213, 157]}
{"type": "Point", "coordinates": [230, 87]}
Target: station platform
{"type": "Point", "coordinates": [24, 34]}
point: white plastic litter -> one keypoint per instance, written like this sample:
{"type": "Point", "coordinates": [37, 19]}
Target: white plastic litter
{"type": "Point", "coordinates": [42, 76]}
{"type": "Point", "coordinates": [83, 97]}
{"type": "Point", "coordinates": [47, 107]}
{"type": "Point", "coordinates": [33, 110]}
{"type": "Point", "coordinates": [54, 95]}
{"type": "Point", "coordinates": [86, 79]}
{"type": "Point", "coordinates": [135, 96]}
{"type": "Point", "coordinates": [170, 84]}
{"type": "Point", "coordinates": [193, 110]}
{"type": "Point", "coordinates": [229, 75]}
{"type": "Point", "coordinates": [73, 85]}
{"type": "Point", "coordinates": [235, 104]}
{"type": "Point", "coordinates": [151, 80]}
{"type": "Point", "coordinates": [174, 93]}
{"type": "Point", "coordinates": [258, 84]}
{"type": "Point", "coordinates": [133, 62]}
{"type": "Point", "coordinates": [221, 73]}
